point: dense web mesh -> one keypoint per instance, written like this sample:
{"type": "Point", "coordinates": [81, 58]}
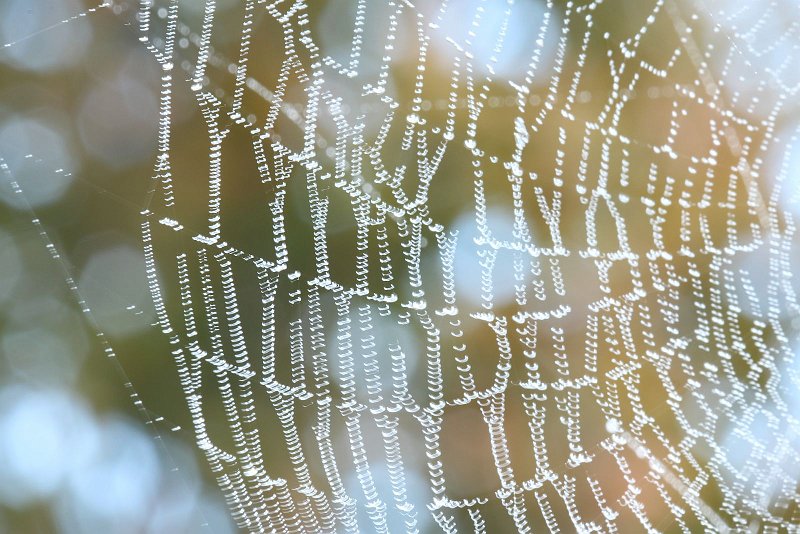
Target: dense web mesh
{"type": "Point", "coordinates": [483, 265]}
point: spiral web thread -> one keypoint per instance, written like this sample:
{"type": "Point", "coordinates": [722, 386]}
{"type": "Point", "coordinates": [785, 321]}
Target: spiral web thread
{"type": "Point", "coordinates": [653, 390]}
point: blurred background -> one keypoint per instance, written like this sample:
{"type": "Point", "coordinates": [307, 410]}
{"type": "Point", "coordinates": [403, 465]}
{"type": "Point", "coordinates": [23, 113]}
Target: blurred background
{"type": "Point", "coordinates": [94, 431]}
{"type": "Point", "coordinates": [78, 112]}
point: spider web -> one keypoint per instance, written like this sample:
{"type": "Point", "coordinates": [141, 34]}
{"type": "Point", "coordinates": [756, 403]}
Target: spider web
{"type": "Point", "coordinates": [486, 266]}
